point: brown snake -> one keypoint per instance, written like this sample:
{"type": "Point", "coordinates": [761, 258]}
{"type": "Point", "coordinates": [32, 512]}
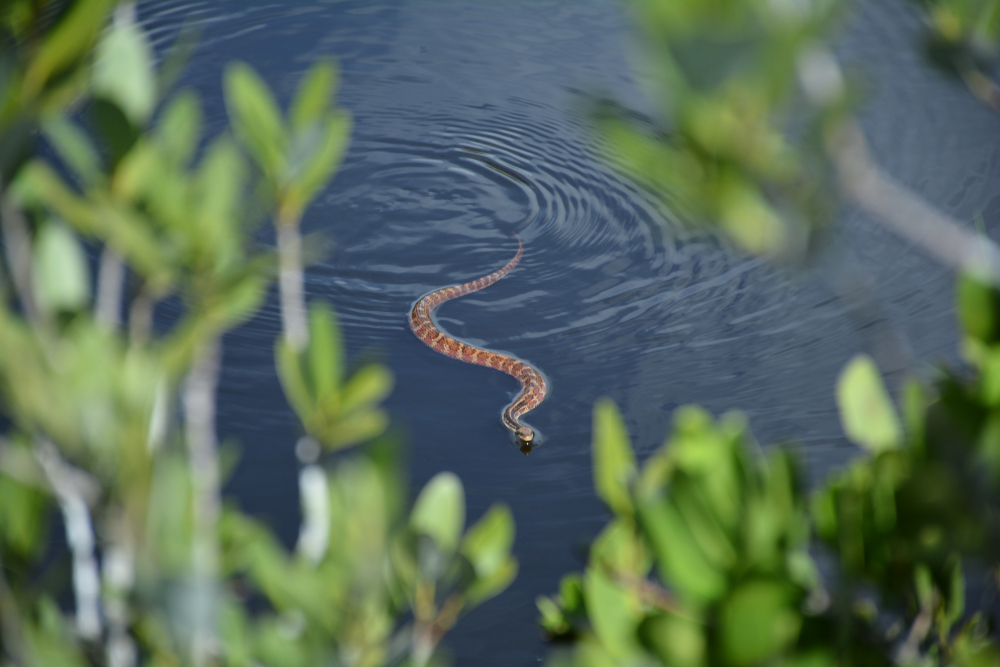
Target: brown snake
{"type": "Point", "coordinates": [532, 382]}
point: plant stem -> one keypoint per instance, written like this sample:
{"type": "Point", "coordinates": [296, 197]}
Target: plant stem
{"type": "Point", "coordinates": [110, 278]}
{"type": "Point", "coordinates": [199, 417]}
{"type": "Point", "coordinates": [293, 304]}
{"type": "Point", "coordinates": [908, 215]}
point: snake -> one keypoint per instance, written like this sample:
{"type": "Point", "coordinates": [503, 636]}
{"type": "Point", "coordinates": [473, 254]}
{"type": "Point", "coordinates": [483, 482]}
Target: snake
{"type": "Point", "coordinates": [533, 386]}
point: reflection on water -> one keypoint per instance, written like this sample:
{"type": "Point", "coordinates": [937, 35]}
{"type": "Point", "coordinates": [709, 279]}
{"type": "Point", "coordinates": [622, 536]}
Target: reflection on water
{"type": "Point", "coordinates": [469, 126]}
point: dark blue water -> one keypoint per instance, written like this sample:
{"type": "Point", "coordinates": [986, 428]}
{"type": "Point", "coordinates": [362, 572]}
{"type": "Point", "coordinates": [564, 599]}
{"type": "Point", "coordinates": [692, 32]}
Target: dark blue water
{"type": "Point", "coordinates": [469, 125]}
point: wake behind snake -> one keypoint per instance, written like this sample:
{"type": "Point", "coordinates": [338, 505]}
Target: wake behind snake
{"type": "Point", "coordinates": [532, 383]}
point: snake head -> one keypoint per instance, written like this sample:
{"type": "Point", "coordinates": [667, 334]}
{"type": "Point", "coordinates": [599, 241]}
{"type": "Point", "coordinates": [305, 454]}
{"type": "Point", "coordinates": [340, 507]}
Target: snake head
{"type": "Point", "coordinates": [525, 434]}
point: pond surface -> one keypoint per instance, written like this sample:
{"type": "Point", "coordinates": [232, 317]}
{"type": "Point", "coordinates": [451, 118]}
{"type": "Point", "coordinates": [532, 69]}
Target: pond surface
{"type": "Point", "coordinates": [470, 125]}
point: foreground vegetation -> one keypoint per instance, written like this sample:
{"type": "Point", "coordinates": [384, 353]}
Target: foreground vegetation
{"type": "Point", "coordinates": [112, 202]}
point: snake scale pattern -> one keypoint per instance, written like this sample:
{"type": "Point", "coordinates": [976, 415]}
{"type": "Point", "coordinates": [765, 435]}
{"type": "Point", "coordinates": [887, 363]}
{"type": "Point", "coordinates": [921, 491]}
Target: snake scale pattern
{"type": "Point", "coordinates": [532, 383]}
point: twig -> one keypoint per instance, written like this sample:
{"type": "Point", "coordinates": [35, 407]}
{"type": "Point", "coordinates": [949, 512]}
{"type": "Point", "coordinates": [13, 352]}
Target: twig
{"type": "Point", "coordinates": [65, 482]}
{"type": "Point", "coordinates": [908, 215]}
{"type": "Point", "coordinates": [199, 417]}
{"type": "Point", "coordinates": [11, 627]}
{"type": "Point", "coordinates": [110, 279]}
{"type": "Point", "coordinates": [314, 492]}
{"type": "Point", "coordinates": [293, 305]}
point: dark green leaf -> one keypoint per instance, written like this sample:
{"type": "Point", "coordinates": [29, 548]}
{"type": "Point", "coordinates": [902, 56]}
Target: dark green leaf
{"type": "Point", "coordinates": [325, 350]}
{"type": "Point", "coordinates": [758, 621]}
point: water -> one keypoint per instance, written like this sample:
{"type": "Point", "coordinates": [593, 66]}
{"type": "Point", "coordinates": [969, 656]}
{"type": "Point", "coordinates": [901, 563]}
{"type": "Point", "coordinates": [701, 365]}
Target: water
{"type": "Point", "coordinates": [469, 125]}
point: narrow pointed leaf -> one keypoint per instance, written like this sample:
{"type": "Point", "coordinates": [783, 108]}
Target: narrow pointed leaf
{"type": "Point", "coordinates": [439, 511]}
{"type": "Point", "coordinates": [314, 96]}
{"type": "Point", "coordinates": [614, 462]}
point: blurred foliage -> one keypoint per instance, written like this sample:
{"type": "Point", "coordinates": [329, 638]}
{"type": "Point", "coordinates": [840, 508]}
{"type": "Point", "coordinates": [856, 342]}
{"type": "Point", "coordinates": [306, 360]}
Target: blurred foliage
{"type": "Point", "coordinates": [716, 555]}
{"type": "Point", "coordinates": [742, 93]}
{"type": "Point", "coordinates": [113, 201]}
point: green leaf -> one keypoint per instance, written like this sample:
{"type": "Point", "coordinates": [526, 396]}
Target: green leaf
{"type": "Point", "coordinates": [353, 429]}
{"type": "Point", "coordinates": [682, 564]}
{"type": "Point", "coordinates": [678, 641]}
{"type": "Point", "coordinates": [60, 278]}
{"type": "Point", "coordinates": [179, 128]}
{"type": "Point", "coordinates": [256, 119]}
{"type": "Point", "coordinates": [483, 588]}
{"type": "Point", "coordinates": [369, 385]}
{"type": "Point", "coordinates": [124, 74]}
{"type": "Point", "coordinates": [614, 462]}
{"type": "Point", "coordinates": [65, 46]}
{"type": "Point", "coordinates": [866, 411]}
{"type": "Point", "coordinates": [315, 154]}
{"type": "Point", "coordinates": [439, 511]}
{"type": "Point", "coordinates": [614, 614]}
{"type": "Point", "coordinates": [75, 149]}
{"type": "Point", "coordinates": [325, 350]}
{"type": "Point", "coordinates": [314, 95]}
{"type": "Point", "coordinates": [487, 543]}
{"type": "Point", "coordinates": [977, 305]}
{"type": "Point", "coordinates": [293, 380]}
{"type": "Point", "coordinates": [757, 622]}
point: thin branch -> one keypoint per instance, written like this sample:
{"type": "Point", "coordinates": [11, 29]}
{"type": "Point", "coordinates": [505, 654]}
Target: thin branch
{"type": "Point", "coordinates": [908, 215]}
{"type": "Point", "coordinates": [65, 482]}
{"type": "Point", "coordinates": [314, 492]}
{"type": "Point", "coordinates": [199, 417]}
{"type": "Point", "coordinates": [119, 579]}
{"type": "Point", "coordinates": [110, 280]}
{"type": "Point", "coordinates": [11, 627]}
{"type": "Point", "coordinates": [17, 244]}
{"type": "Point", "coordinates": [293, 304]}
{"type": "Point", "coordinates": [140, 317]}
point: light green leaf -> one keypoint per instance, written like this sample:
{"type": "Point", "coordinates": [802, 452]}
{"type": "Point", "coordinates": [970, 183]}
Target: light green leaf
{"type": "Point", "coordinates": [325, 350]}
{"type": "Point", "coordinates": [614, 614]}
{"type": "Point", "coordinates": [179, 128]}
{"type": "Point", "coordinates": [293, 380]}
{"type": "Point", "coordinates": [866, 411]}
{"type": "Point", "coordinates": [484, 588]}
{"type": "Point", "coordinates": [314, 95]}
{"type": "Point", "coordinates": [369, 385]}
{"type": "Point", "coordinates": [614, 462]}
{"type": "Point", "coordinates": [352, 429]}
{"type": "Point", "coordinates": [256, 119]}
{"type": "Point", "coordinates": [487, 543]}
{"type": "Point", "coordinates": [60, 277]}
{"type": "Point", "coordinates": [316, 153]}
{"type": "Point", "coordinates": [678, 641]}
{"type": "Point", "coordinates": [123, 72]}
{"type": "Point", "coordinates": [439, 511]}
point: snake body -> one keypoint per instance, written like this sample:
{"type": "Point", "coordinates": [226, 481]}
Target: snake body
{"type": "Point", "coordinates": [532, 383]}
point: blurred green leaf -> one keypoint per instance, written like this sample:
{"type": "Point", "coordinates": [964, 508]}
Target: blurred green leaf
{"type": "Point", "coordinates": [866, 411]}
{"type": "Point", "coordinates": [60, 278]}
{"type": "Point", "coordinates": [483, 588]}
{"type": "Point", "coordinates": [676, 640]}
{"type": "Point", "coordinates": [439, 511]}
{"type": "Point", "coordinates": [75, 148]}
{"type": "Point", "coordinates": [294, 380]}
{"type": "Point", "coordinates": [123, 71]}
{"type": "Point", "coordinates": [758, 621]}
{"type": "Point", "coordinates": [682, 564]}
{"type": "Point", "coordinates": [314, 95]}
{"type": "Point", "coordinates": [179, 129]}
{"type": "Point", "coordinates": [614, 462]}
{"type": "Point", "coordinates": [315, 154]}
{"type": "Point", "coordinates": [614, 614]}
{"type": "Point", "coordinates": [488, 542]}
{"type": "Point", "coordinates": [369, 385]}
{"type": "Point", "coordinates": [256, 119]}
{"type": "Point", "coordinates": [67, 44]}
{"type": "Point", "coordinates": [352, 429]}
{"type": "Point", "coordinates": [978, 307]}
{"type": "Point", "coordinates": [325, 350]}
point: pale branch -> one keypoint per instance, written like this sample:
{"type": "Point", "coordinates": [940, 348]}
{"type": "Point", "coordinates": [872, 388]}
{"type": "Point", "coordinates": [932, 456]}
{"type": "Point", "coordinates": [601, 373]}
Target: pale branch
{"type": "Point", "coordinates": [203, 460]}
{"type": "Point", "coordinates": [293, 304]}
{"type": "Point", "coordinates": [67, 487]}
{"type": "Point", "coordinates": [110, 281]}
{"type": "Point", "coordinates": [314, 492]}
{"type": "Point", "coordinates": [912, 218]}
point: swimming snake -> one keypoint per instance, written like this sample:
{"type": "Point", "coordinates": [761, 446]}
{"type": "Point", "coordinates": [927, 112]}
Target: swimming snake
{"type": "Point", "coordinates": [532, 383]}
